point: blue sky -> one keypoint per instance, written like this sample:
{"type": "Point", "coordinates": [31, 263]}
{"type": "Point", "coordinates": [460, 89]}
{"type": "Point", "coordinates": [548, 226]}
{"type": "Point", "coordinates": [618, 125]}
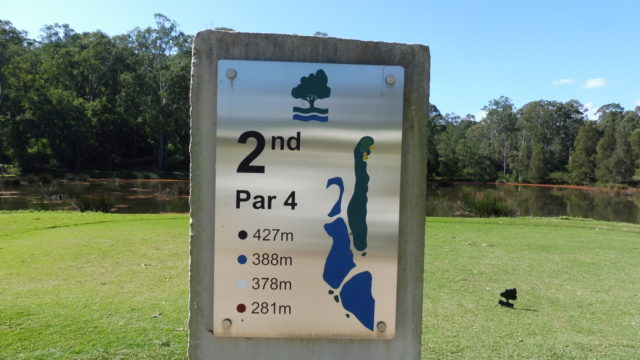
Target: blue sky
{"type": "Point", "coordinates": [525, 49]}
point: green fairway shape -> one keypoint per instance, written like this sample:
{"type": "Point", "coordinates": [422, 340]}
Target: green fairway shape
{"type": "Point", "coordinates": [357, 208]}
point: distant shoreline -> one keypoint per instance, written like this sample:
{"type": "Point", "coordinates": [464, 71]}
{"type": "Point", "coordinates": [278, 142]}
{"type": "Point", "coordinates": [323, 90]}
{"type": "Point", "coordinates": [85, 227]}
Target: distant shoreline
{"type": "Point", "coordinates": [576, 187]}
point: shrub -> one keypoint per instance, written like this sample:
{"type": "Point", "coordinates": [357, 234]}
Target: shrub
{"type": "Point", "coordinates": [147, 175]}
{"type": "Point", "coordinates": [31, 179]}
{"type": "Point", "coordinates": [502, 179]}
{"type": "Point", "coordinates": [129, 175]}
{"type": "Point", "coordinates": [45, 178]}
{"type": "Point", "coordinates": [486, 204]}
{"type": "Point", "coordinates": [9, 169]}
{"type": "Point", "coordinates": [40, 204]}
{"type": "Point", "coordinates": [11, 181]}
{"type": "Point", "coordinates": [560, 177]}
{"type": "Point", "coordinates": [101, 202]}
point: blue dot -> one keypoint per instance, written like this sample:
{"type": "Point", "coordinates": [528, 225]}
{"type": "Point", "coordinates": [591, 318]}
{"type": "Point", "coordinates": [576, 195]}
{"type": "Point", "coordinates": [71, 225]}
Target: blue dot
{"type": "Point", "coordinates": [242, 259]}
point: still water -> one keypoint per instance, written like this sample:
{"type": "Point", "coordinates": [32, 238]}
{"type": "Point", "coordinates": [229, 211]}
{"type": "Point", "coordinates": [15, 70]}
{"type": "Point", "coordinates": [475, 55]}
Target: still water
{"type": "Point", "coordinates": [161, 196]}
{"type": "Point", "coordinates": [121, 196]}
{"type": "Point", "coordinates": [623, 206]}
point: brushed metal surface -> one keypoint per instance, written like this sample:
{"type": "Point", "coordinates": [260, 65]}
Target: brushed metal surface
{"type": "Point", "coordinates": [259, 99]}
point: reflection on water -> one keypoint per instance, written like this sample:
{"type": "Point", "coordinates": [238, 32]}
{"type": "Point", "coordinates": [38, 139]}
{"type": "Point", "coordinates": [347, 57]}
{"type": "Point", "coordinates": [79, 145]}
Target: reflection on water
{"type": "Point", "coordinates": [159, 196]}
{"type": "Point", "coordinates": [544, 201]}
{"type": "Point", "coordinates": [122, 196]}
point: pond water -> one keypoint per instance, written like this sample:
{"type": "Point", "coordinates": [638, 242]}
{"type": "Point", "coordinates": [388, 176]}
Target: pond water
{"type": "Point", "coordinates": [120, 196]}
{"type": "Point", "coordinates": [623, 206]}
{"type": "Point", "coordinates": [162, 196]}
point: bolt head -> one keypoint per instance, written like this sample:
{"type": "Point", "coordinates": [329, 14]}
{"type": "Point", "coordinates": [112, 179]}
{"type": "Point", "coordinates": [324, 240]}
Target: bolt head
{"type": "Point", "coordinates": [226, 324]}
{"type": "Point", "coordinates": [232, 73]}
{"type": "Point", "coordinates": [390, 79]}
{"type": "Point", "coordinates": [381, 326]}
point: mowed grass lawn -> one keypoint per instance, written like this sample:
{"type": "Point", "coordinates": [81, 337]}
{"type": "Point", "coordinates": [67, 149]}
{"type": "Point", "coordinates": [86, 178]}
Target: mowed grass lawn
{"type": "Point", "coordinates": [578, 285]}
{"type": "Point", "coordinates": [106, 286]}
{"type": "Point", "coordinates": [93, 286]}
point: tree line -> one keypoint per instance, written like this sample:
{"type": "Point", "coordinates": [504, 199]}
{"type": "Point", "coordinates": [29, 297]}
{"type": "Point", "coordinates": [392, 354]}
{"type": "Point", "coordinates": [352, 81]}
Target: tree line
{"type": "Point", "coordinates": [88, 101]}
{"type": "Point", "coordinates": [542, 142]}
{"type": "Point", "coordinates": [80, 101]}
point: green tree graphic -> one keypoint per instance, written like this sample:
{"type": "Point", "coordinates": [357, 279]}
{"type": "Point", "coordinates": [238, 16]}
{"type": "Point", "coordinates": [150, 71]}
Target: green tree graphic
{"type": "Point", "coordinates": [312, 88]}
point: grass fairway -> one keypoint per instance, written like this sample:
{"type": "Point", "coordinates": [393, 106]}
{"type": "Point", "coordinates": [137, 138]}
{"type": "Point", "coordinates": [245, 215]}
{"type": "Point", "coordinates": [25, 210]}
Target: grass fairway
{"type": "Point", "coordinates": [93, 286]}
{"type": "Point", "coordinates": [578, 287]}
{"type": "Point", "coordinates": [106, 286]}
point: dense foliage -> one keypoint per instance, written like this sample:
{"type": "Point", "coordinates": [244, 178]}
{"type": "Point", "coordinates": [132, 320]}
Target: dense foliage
{"type": "Point", "coordinates": [87, 101]}
{"type": "Point", "coordinates": [542, 142]}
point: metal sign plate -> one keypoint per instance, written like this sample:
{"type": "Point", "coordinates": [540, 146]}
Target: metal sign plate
{"type": "Point", "coordinates": [307, 199]}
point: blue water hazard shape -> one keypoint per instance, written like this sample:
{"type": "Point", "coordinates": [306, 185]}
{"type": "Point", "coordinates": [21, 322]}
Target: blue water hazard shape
{"type": "Point", "coordinates": [357, 298]}
{"type": "Point", "coordinates": [337, 207]}
{"type": "Point", "coordinates": [340, 259]}
{"type": "Point", "coordinates": [310, 117]}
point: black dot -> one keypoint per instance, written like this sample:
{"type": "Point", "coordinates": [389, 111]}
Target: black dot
{"type": "Point", "coordinates": [242, 234]}
{"type": "Point", "coordinates": [330, 292]}
{"type": "Point", "coordinates": [364, 254]}
{"type": "Point", "coordinates": [347, 315]}
{"type": "Point", "coordinates": [336, 298]}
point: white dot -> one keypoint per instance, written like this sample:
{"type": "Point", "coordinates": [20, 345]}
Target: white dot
{"type": "Point", "coordinates": [242, 284]}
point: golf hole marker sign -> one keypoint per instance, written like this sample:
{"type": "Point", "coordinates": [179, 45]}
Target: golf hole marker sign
{"type": "Point", "coordinates": [307, 199]}
{"type": "Point", "coordinates": [308, 168]}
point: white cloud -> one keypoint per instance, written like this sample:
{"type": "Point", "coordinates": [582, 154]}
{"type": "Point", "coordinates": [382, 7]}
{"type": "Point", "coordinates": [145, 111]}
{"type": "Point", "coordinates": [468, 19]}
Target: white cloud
{"type": "Point", "coordinates": [594, 83]}
{"type": "Point", "coordinates": [638, 102]}
{"type": "Point", "coordinates": [563, 82]}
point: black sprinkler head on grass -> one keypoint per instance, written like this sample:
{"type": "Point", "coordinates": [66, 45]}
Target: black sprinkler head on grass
{"type": "Point", "coordinates": [508, 294]}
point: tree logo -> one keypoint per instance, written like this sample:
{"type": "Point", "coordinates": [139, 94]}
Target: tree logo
{"type": "Point", "coordinates": [310, 89]}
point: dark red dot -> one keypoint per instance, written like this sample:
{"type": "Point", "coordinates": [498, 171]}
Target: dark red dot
{"type": "Point", "coordinates": [241, 308]}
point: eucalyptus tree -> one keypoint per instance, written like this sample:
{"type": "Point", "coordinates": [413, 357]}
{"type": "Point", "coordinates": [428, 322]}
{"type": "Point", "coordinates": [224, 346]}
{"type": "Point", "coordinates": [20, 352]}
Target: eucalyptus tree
{"type": "Point", "coordinates": [475, 162]}
{"type": "Point", "coordinates": [448, 140]}
{"type": "Point", "coordinates": [609, 118]}
{"type": "Point", "coordinates": [454, 150]}
{"type": "Point", "coordinates": [13, 44]}
{"type": "Point", "coordinates": [582, 162]}
{"type": "Point", "coordinates": [634, 139]}
{"type": "Point", "coordinates": [500, 127]}
{"type": "Point", "coordinates": [546, 135]}
{"type": "Point", "coordinates": [155, 49]}
{"type": "Point", "coordinates": [573, 116]}
{"type": "Point", "coordinates": [624, 157]}
{"type": "Point", "coordinates": [72, 97]}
